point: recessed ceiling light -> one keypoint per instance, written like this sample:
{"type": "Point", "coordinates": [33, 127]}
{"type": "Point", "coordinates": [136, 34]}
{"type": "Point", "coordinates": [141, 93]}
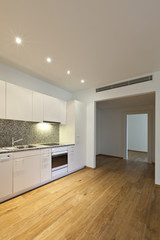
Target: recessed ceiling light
{"type": "Point", "coordinates": [48, 59]}
{"type": "Point", "coordinates": [68, 72]}
{"type": "Point", "coordinates": [82, 81]}
{"type": "Point", "coordinates": [18, 40]}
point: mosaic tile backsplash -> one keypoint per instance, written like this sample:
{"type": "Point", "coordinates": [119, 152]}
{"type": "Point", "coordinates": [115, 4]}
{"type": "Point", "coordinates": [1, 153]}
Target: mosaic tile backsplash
{"type": "Point", "coordinates": [31, 132]}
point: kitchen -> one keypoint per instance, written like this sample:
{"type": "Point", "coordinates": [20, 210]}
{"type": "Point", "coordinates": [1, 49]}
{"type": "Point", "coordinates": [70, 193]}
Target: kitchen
{"type": "Point", "coordinates": [58, 60]}
{"type": "Point", "coordinates": [50, 137]}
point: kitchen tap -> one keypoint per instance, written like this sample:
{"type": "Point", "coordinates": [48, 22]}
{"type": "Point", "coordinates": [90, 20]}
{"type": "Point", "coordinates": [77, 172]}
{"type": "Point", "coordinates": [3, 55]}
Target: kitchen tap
{"type": "Point", "coordinates": [13, 141]}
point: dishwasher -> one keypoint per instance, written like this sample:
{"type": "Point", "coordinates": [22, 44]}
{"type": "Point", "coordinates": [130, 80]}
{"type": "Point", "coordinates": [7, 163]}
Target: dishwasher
{"type": "Point", "coordinates": [5, 174]}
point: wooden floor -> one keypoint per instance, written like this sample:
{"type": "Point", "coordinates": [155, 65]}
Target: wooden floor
{"type": "Point", "coordinates": [137, 156]}
{"type": "Point", "coordinates": [116, 201]}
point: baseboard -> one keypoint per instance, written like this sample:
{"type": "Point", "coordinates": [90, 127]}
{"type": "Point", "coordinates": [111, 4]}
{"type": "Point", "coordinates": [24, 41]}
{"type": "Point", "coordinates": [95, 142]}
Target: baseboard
{"type": "Point", "coordinates": [106, 155]}
{"type": "Point", "coordinates": [157, 185]}
{"type": "Point", "coordinates": [137, 151]}
{"type": "Point", "coordinates": [90, 167]}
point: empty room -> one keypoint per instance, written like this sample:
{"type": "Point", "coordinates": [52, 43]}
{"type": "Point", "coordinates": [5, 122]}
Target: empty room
{"type": "Point", "coordinates": [79, 120]}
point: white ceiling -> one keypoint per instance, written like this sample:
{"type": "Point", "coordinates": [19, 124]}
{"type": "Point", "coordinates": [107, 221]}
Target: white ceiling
{"type": "Point", "coordinates": [132, 101]}
{"type": "Point", "coordinates": [101, 41]}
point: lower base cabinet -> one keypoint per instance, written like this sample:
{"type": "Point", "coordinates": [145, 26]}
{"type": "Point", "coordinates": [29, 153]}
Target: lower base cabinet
{"type": "Point", "coordinates": [5, 177]}
{"type": "Point", "coordinates": [29, 169]}
{"type": "Point", "coordinates": [71, 159]}
{"type": "Point", "coordinates": [46, 166]}
{"type": "Point", "coordinates": [75, 158]}
{"type": "Point", "coordinates": [26, 172]}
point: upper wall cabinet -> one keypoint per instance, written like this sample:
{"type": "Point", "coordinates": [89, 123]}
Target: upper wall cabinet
{"type": "Point", "coordinates": [54, 110]}
{"type": "Point", "coordinates": [2, 99]}
{"type": "Point", "coordinates": [37, 107]}
{"type": "Point", "coordinates": [19, 103]}
{"type": "Point", "coordinates": [62, 110]}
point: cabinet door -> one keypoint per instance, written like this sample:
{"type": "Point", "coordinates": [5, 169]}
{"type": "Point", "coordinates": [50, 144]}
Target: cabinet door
{"type": "Point", "coordinates": [32, 171]}
{"type": "Point", "coordinates": [62, 109]}
{"type": "Point", "coordinates": [80, 133]}
{"type": "Point", "coordinates": [51, 109]}
{"type": "Point", "coordinates": [72, 161]}
{"type": "Point", "coordinates": [5, 178]}
{"type": "Point", "coordinates": [45, 168]}
{"type": "Point", "coordinates": [18, 175]}
{"type": "Point", "coordinates": [26, 173]}
{"type": "Point", "coordinates": [19, 103]}
{"type": "Point", "coordinates": [2, 99]}
{"type": "Point", "coordinates": [37, 107]}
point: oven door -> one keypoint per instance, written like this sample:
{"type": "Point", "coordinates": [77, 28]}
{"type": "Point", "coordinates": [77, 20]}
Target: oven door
{"type": "Point", "coordinates": [59, 161]}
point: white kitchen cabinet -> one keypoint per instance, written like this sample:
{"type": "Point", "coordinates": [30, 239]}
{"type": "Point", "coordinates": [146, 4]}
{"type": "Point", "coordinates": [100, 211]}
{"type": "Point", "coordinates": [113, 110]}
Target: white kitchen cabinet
{"type": "Point", "coordinates": [45, 165]}
{"type": "Point", "coordinates": [62, 109]}
{"type": "Point", "coordinates": [2, 99]}
{"type": "Point", "coordinates": [72, 163]}
{"type": "Point", "coordinates": [51, 110]}
{"type": "Point", "coordinates": [74, 132]}
{"type": "Point", "coordinates": [19, 103]}
{"type": "Point", "coordinates": [37, 107]}
{"type": "Point", "coordinates": [54, 110]}
{"type": "Point", "coordinates": [76, 157]}
{"type": "Point", "coordinates": [26, 170]}
{"type": "Point", "coordinates": [5, 175]}
{"type": "Point", "coordinates": [80, 133]}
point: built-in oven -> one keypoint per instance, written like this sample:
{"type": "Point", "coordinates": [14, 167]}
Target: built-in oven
{"type": "Point", "coordinates": [59, 161]}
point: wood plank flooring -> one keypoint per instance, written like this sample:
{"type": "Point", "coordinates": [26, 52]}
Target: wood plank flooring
{"type": "Point", "coordinates": [116, 201]}
{"type": "Point", "coordinates": [137, 156]}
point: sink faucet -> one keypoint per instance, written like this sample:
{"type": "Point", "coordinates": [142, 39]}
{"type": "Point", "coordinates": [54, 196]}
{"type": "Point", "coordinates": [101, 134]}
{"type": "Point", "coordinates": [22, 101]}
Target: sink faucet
{"type": "Point", "coordinates": [13, 141]}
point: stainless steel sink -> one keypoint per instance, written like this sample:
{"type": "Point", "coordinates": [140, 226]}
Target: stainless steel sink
{"type": "Point", "coordinates": [20, 147]}
{"type": "Point", "coordinates": [25, 146]}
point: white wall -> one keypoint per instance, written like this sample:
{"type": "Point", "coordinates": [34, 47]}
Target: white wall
{"type": "Point", "coordinates": [91, 135]}
{"type": "Point", "coordinates": [138, 132]}
{"type": "Point", "coordinates": [109, 129]}
{"type": "Point", "coordinates": [14, 76]}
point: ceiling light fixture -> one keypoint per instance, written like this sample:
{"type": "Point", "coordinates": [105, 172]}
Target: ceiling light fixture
{"type": "Point", "coordinates": [48, 59]}
{"type": "Point", "coordinates": [18, 40]}
{"type": "Point", "coordinates": [82, 81]}
{"type": "Point", "coordinates": [68, 72]}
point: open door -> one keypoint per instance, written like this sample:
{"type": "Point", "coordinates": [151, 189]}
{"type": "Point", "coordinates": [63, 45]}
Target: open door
{"type": "Point", "coordinates": [137, 137]}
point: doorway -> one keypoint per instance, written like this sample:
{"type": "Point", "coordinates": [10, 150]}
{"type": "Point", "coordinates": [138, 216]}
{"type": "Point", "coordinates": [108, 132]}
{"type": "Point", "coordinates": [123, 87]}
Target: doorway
{"type": "Point", "coordinates": [137, 137]}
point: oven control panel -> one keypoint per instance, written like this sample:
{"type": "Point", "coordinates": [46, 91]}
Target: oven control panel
{"type": "Point", "coordinates": [60, 149]}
